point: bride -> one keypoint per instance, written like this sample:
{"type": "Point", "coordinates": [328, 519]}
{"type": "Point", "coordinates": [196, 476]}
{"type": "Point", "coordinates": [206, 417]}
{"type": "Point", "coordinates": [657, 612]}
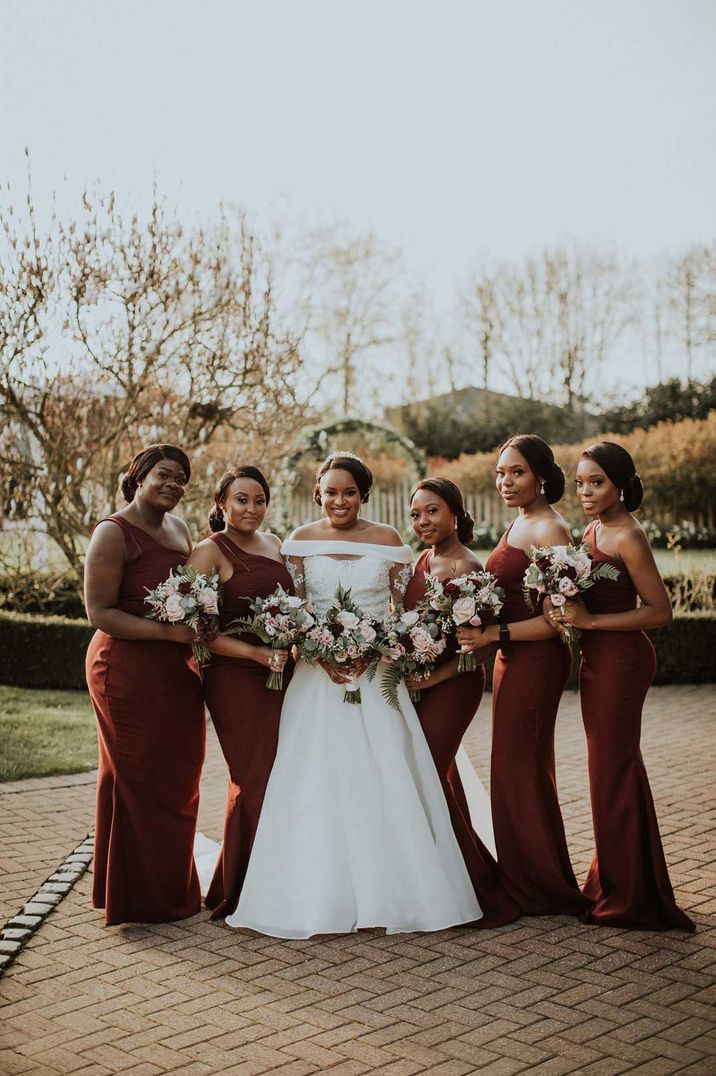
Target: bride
{"type": "Point", "coordinates": [354, 830]}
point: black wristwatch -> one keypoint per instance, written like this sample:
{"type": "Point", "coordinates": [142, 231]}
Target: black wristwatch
{"type": "Point", "coordinates": [504, 635]}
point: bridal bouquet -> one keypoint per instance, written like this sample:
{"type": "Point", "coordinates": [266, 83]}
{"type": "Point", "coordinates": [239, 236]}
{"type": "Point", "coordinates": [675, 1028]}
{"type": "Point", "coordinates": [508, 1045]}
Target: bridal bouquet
{"type": "Point", "coordinates": [412, 641]}
{"type": "Point", "coordinates": [560, 572]}
{"type": "Point", "coordinates": [472, 599]}
{"type": "Point", "coordinates": [343, 636]}
{"type": "Point", "coordinates": [280, 620]}
{"type": "Point", "coordinates": [187, 597]}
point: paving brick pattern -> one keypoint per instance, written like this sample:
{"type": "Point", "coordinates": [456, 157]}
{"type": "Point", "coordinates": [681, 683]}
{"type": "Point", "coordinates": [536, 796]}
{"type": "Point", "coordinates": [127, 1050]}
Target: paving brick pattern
{"type": "Point", "coordinates": [545, 995]}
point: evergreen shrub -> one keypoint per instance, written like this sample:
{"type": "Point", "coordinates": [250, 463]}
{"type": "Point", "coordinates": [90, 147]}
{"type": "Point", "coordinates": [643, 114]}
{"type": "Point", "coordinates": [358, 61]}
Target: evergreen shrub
{"type": "Point", "coordinates": [49, 652]}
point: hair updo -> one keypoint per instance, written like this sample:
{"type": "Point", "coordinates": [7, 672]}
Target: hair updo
{"type": "Point", "coordinates": [451, 494]}
{"type": "Point", "coordinates": [619, 468]}
{"type": "Point", "coordinates": [541, 461]}
{"type": "Point", "coordinates": [143, 462]}
{"type": "Point", "coordinates": [216, 515]}
{"type": "Point", "coordinates": [360, 471]}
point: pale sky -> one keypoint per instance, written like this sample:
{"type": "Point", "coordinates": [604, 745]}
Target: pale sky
{"type": "Point", "coordinates": [452, 128]}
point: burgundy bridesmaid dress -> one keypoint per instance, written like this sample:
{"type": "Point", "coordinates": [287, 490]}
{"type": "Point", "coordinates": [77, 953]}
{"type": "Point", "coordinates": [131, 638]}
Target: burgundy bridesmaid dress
{"type": "Point", "coordinates": [245, 714]}
{"type": "Point", "coordinates": [150, 716]}
{"type": "Point", "coordinates": [628, 879]}
{"type": "Point", "coordinates": [528, 681]}
{"type": "Point", "coordinates": [445, 712]}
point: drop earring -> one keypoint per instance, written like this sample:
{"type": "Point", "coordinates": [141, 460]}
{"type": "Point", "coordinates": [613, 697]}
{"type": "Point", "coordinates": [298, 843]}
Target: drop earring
{"type": "Point", "coordinates": [541, 489]}
{"type": "Point", "coordinates": [621, 494]}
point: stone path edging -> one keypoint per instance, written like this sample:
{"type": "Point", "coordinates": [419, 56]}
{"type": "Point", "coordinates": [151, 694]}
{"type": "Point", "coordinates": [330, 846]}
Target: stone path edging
{"type": "Point", "coordinates": [18, 930]}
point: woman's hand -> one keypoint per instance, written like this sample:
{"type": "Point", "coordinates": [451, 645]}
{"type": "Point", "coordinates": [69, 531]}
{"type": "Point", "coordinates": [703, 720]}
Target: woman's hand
{"type": "Point", "coordinates": [338, 676]}
{"type": "Point", "coordinates": [209, 629]}
{"type": "Point", "coordinates": [181, 633]}
{"type": "Point", "coordinates": [421, 683]}
{"type": "Point", "coordinates": [357, 668]}
{"type": "Point", "coordinates": [574, 614]}
{"type": "Point", "coordinates": [275, 660]}
{"type": "Point", "coordinates": [553, 616]}
{"type": "Point", "coordinates": [472, 639]}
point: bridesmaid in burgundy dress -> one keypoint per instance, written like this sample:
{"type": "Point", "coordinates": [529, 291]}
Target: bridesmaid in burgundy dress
{"type": "Point", "coordinates": [449, 700]}
{"type": "Point", "coordinates": [531, 670]}
{"type": "Point", "coordinates": [244, 712]}
{"type": "Point", "coordinates": [147, 697]}
{"type": "Point", "coordinates": [628, 880]}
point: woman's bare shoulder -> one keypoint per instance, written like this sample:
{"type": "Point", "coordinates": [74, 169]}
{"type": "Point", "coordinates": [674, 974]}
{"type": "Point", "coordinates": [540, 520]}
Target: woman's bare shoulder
{"type": "Point", "coordinates": [383, 534]}
{"type": "Point", "coordinates": [308, 532]}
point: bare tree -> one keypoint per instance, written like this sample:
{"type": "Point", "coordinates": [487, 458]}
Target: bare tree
{"type": "Point", "coordinates": [690, 285]}
{"type": "Point", "coordinates": [353, 307]}
{"type": "Point", "coordinates": [482, 322]}
{"type": "Point", "coordinates": [169, 334]}
{"type": "Point", "coordinates": [524, 314]}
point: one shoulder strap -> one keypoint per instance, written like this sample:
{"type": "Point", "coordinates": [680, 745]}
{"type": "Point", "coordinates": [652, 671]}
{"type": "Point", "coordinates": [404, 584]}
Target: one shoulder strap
{"type": "Point", "coordinates": [230, 550]}
{"type": "Point", "coordinates": [128, 530]}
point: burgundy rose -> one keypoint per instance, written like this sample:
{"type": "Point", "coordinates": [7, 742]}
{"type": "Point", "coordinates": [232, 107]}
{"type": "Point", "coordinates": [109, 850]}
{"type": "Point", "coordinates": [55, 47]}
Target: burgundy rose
{"type": "Point", "coordinates": [184, 587]}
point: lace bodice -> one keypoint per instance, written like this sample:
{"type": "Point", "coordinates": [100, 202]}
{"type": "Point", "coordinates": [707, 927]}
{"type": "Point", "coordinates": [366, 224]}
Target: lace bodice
{"type": "Point", "coordinates": [373, 573]}
{"type": "Point", "coordinates": [368, 579]}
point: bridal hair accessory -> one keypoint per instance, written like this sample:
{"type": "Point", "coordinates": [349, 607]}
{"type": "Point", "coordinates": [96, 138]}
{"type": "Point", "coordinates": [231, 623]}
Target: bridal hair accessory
{"type": "Point", "coordinates": [345, 456]}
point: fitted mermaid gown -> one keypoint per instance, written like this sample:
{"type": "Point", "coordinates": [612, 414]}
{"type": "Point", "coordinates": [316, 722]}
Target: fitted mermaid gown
{"type": "Point", "coordinates": [150, 721]}
{"type": "Point", "coordinates": [445, 712]}
{"type": "Point", "coordinates": [528, 681]}
{"type": "Point", "coordinates": [628, 880]}
{"type": "Point", "coordinates": [245, 715]}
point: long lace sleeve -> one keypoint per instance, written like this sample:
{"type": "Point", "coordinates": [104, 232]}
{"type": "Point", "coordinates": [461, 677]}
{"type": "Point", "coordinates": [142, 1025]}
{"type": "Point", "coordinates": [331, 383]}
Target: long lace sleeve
{"type": "Point", "coordinates": [295, 570]}
{"type": "Point", "coordinates": [399, 575]}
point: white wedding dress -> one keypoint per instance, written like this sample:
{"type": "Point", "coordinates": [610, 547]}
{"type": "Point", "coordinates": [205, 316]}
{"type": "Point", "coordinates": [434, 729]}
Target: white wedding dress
{"type": "Point", "coordinates": [354, 830]}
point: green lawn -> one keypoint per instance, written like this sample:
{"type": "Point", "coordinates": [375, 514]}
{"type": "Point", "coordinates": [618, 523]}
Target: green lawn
{"type": "Point", "coordinates": [43, 733]}
{"type": "Point", "coordinates": [701, 560]}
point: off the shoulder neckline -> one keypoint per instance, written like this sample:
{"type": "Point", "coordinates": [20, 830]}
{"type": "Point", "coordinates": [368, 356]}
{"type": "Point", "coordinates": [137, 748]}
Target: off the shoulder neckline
{"type": "Point", "coordinates": [401, 554]}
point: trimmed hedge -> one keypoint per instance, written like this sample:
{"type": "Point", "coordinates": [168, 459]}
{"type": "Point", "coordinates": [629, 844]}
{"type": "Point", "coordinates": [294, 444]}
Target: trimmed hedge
{"type": "Point", "coordinates": [49, 652]}
{"type": "Point", "coordinates": [43, 651]}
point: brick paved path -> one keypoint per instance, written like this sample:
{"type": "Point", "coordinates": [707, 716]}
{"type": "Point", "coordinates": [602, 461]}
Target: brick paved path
{"type": "Point", "coordinates": [546, 996]}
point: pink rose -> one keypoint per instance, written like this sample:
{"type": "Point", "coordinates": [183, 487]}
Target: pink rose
{"type": "Point", "coordinates": [173, 609]}
{"type": "Point", "coordinates": [207, 598]}
{"type": "Point", "coordinates": [463, 610]}
{"type": "Point", "coordinates": [422, 640]}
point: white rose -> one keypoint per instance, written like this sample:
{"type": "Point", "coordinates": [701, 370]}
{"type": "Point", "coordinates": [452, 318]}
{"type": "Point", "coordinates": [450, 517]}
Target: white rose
{"type": "Point", "coordinates": [422, 640]}
{"type": "Point", "coordinates": [558, 599]}
{"type": "Point", "coordinates": [173, 608]}
{"type": "Point", "coordinates": [292, 601]}
{"type": "Point", "coordinates": [567, 587]}
{"type": "Point", "coordinates": [367, 631]}
{"type": "Point", "coordinates": [410, 618]}
{"type": "Point", "coordinates": [207, 598]}
{"type": "Point", "coordinates": [463, 610]}
{"type": "Point", "coordinates": [348, 620]}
